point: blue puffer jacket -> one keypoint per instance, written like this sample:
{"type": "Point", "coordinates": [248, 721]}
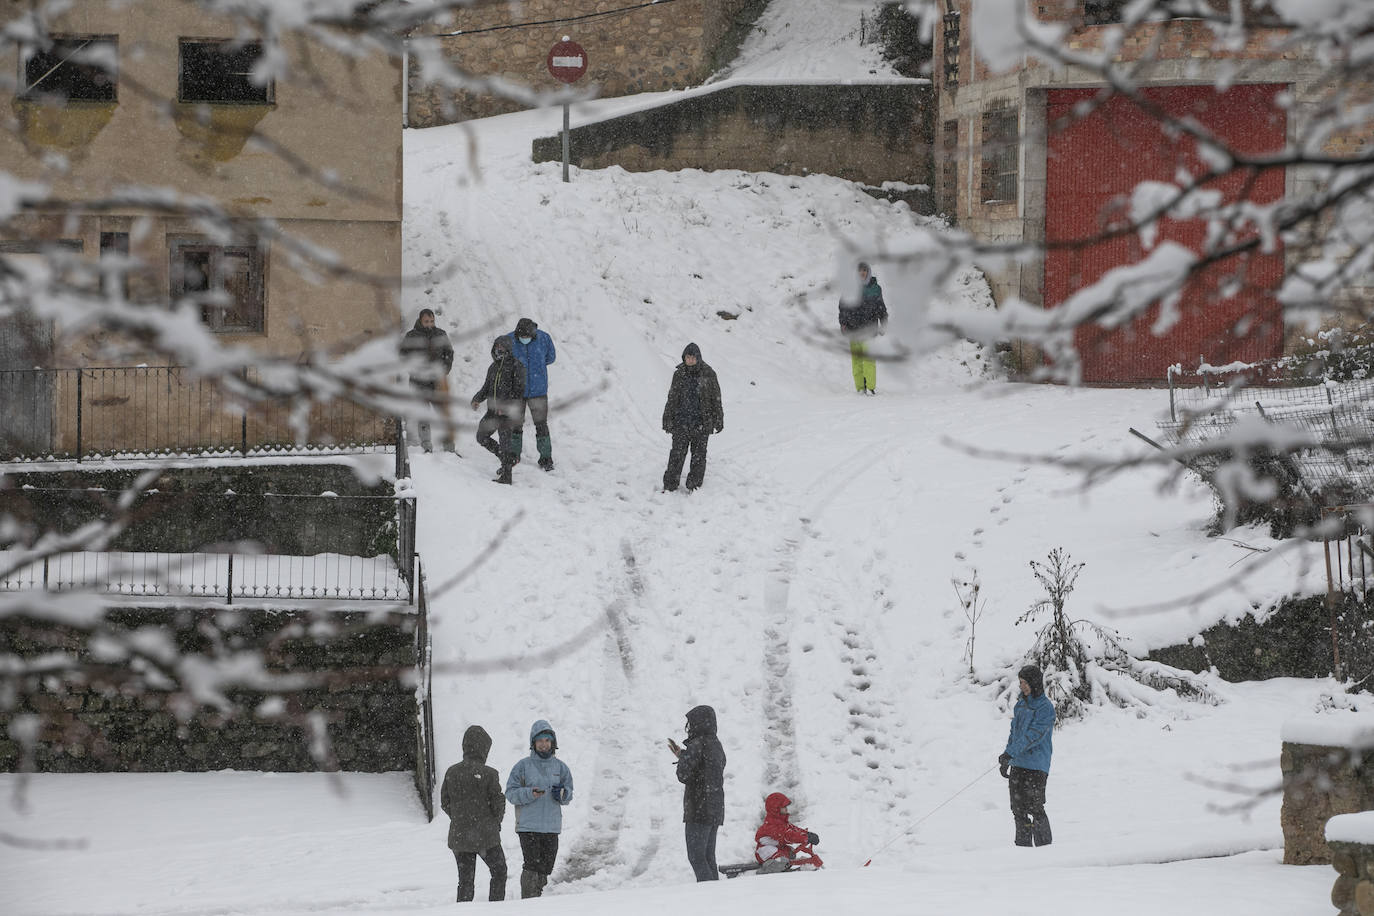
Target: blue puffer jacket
{"type": "Point", "coordinates": [1032, 724]}
{"type": "Point", "coordinates": [536, 355]}
{"type": "Point", "coordinates": [539, 814]}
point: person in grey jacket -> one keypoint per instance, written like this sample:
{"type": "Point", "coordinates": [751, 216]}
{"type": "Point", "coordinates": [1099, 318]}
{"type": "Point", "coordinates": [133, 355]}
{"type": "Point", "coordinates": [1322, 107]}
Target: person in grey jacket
{"type": "Point", "coordinates": [471, 797]}
{"type": "Point", "coordinates": [701, 770]}
{"type": "Point", "coordinates": [539, 786]}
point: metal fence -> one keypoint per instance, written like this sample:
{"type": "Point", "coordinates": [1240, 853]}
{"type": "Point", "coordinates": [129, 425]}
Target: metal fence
{"type": "Point", "coordinates": [142, 410]}
{"type": "Point", "coordinates": [425, 773]}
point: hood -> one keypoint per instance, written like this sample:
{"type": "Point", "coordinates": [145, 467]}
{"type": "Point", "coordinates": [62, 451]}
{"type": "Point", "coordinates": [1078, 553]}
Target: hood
{"type": "Point", "coordinates": [476, 744]}
{"type": "Point", "coordinates": [701, 720]}
{"type": "Point", "coordinates": [1035, 678]}
{"type": "Point", "coordinates": [525, 327]}
{"type": "Point", "coordinates": [538, 728]}
{"type": "Point", "coordinates": [774, 804]}
{"type": "Point", "coordinates": [691, 350]}
{"type": "Point", "coordinates": [501, 348]}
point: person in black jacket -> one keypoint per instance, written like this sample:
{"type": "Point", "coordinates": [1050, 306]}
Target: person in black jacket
{"type": "Point", "coordinates": [701, 770]}
{"type": "Point", "coordinates": [428, 354]}
{"type": "Point", "coordinates": [692, 413]}
{"type": "Point", "coordinates": [471, 796]}
{"type": "Point", "coordinates": [504, 391]}
{"type": "Point", "coordinates": [860, 322]}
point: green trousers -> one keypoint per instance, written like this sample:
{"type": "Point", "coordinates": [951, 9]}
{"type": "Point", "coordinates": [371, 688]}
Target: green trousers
{"type": "Point", "coordinates": [865, 369]}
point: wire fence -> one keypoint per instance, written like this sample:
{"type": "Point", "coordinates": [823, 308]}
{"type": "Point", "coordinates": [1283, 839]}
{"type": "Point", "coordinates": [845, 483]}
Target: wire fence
{"type": "Point", "coordinates": [159, 410]}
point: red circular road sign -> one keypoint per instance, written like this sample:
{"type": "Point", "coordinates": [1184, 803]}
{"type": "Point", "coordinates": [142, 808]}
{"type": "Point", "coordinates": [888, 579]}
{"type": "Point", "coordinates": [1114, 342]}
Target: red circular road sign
{"type": "Point", "coordinates": [567, 61]}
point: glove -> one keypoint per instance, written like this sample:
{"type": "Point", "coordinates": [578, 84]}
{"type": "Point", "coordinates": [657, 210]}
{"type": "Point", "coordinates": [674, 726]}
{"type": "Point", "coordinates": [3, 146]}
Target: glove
{"type": "Point", "coordinates": [667, 429]}
{"type": "Point", "coordinates": [1003, 765]}
{"type": "Point", "coordinates": [811, 838]}
{"type": "Point", "coordinates": [720, 428]}
{"type": "Point", "coordinates": [559, 793]}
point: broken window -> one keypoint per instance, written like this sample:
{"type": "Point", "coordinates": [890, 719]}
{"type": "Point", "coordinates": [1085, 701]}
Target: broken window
{"type": "Point", "coordinates": [76, 68]}
{"type": "Point", "coordinates": [1001, 149]}
{"type": "Point", "coordinates": [226, 281]}
{"type": "Point", "coordinates": [222, 71]}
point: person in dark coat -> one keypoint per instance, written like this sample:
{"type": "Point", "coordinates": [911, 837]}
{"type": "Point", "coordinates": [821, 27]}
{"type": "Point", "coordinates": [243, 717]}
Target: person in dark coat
{"type": "Point", "coordinates": [504, 392]}
{"type": "Point", "coordinates": [701, 770]}
{"type": "Point", "coordinates": [428, 355]}
{"type": "Point", "coordinates": [471, 796]}
{"type": "Point", "coordinates": [860, 322]}
{"type": "Point", "coordinates": [534, 348]}
{"type": "Point", "coordinates": [692, 413]}
{"type": "Point", "coordinates": [1026, 760]}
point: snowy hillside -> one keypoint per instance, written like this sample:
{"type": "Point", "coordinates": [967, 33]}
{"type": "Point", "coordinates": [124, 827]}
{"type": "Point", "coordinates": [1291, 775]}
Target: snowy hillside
{"type": "Point", "coordinates": [805, 592]}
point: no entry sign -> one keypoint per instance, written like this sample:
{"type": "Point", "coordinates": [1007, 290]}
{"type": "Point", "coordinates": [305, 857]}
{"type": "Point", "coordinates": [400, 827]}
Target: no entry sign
{"type": "Point", "coordinates": [567, 61]}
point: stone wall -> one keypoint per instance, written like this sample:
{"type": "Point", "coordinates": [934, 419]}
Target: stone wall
{"type": "Point", "coordinates": [868, 133]}
{"type": "Point", "coordinates": [1318, 783]}
{"type": "Point", "coordinates": [1353, 892]}
{"type": "Point", "coordinates": [352, 672]}
{"type": "Point", "coordinates": [649, 49]}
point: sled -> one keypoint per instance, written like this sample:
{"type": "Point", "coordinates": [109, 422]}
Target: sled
{"type": "Point", "coordinates": [810, 862]}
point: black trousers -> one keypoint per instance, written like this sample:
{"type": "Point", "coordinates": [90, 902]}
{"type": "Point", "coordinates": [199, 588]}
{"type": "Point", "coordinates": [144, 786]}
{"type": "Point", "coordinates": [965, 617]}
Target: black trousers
{"type": "Point", "coordinates": [696, 471]}
{"type": "Point", "coordinates": [701, 850]}
{"type": "Point", "coordinates": [501, 424]}
{"type": "Point", "coordinates": [1027, 788]}
{"type": "Point", "coordinates": [495, 859]}
{"type": "Point", "coordinates": [539, 850]}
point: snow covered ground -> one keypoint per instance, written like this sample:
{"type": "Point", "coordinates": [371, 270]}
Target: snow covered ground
{"type": "Point", "coordinates": [806, 592]}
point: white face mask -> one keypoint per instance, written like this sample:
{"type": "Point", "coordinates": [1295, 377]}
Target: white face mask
{"type": "Point", "coordinates": [524, 340]}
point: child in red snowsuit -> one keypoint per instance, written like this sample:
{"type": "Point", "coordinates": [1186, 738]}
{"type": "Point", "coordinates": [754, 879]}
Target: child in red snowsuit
{"type": "Point", "coordinates": [782, 842]}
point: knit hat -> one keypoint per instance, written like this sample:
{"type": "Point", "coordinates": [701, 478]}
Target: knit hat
{"type": "Point", "coordinates": [525, 327]}
{"type": "Point", "coordinates": [1032, 676]}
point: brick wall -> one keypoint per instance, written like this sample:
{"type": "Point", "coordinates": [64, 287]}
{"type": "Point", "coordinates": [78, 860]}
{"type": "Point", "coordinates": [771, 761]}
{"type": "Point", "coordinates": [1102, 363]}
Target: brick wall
{"type": "Point", "coordinates": [649, 49]}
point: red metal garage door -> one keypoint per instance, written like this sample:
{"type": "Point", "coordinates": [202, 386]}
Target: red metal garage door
{"type": "Point", "coordinates": [1228, 310]}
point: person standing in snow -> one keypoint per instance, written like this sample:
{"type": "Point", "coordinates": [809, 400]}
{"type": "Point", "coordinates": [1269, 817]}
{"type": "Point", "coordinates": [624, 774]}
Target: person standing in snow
{"type": "Point", "coordinates": [471, 797]}
{"type": "Point", "coordinates": [1026, 760]}
{"type": "Point", "coordinates": [428, 355]}
{"type": "Point", "coordinates": [692, 413]}
{"type": "Point", "coordinates": [701, 770]}
{"type": "Point", "coordinates": [534, 349]}
{"type": "Point", "coordinates": [860, 322]}
{"type": "Point", "coordinates": [539, 786]}
{"type": "Point", "coordinates": [504, 390]}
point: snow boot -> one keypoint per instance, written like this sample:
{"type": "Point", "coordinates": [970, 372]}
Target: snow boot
{"type": "Point", "coordinates": [545, 446]}
{"type": "Point", "coordinates": [490, 446]}
{"type": "Point", "coordinates": [1040, 832]}
{"type": "Point", "coordinates": [531, 883]}
{"type": "Point", "coordinates": [517, 444]}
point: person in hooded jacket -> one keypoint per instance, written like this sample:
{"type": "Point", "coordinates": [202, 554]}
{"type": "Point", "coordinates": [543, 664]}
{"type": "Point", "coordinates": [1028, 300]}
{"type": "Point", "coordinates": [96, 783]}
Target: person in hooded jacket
{"type": "Point", "coordinates": [1026, 760]}
{"type": "Point", "coordinates": [427, 352]}
{"type": "Point", "coordinates": [780, 844]}
{"type": "Point", "coordinates": [701, 770]}
{"type": "Point", "coordinates": [860, 322]}
{"type": "Point", "coordinates": [471, 797]}
{"type": "Point", "coordinates": [504, 390]}
{"type": "Point", "coordinates": [534, 348]}
{"type": "Point", "coordinates": [539, 786]}
{"type": "Point", "coordinates": [692, 413]}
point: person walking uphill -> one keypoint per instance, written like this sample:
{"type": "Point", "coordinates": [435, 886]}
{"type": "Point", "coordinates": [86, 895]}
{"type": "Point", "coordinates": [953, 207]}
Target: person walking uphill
{"type": "Point", "coordinates": [1026, 760]}
{"type": "Point", "coordinates": [692, 413]}
{"type": "Point", "coordinates": [471, 797]}
{"type": "Point", "coordinates": [429, 356]}
{"type": "Point", "coordinates": [860, 322]}
{"type": "Point", "coordinates": [503, 390]}
{"type": "Point", "coordinates": [539, 786]}
{"type": "Point", "coordinates": [534, 348]}
{"type": "Point", "coordinates": [701, 770]}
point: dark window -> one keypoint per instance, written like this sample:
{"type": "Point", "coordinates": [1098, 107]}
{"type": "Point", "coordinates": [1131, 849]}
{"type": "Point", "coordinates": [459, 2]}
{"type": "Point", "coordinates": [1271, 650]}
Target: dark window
{"type": "Point", "coordinates": [947, 169]}
{"type": "Point", "coordinates": [1001, 144]}
{"type": "Point", "coordinates": [1259, 13]}
{"type": "Point", "coordinates": [951, 47]}
{"type": "Point", "coordinates": [226, 280]}
{"type": "Point", "coordinates": [114, 246]}
{"type": "Point", "coordinates": [222, 71]}
{"type": "Point", "coordinates": [76, 68]}
{"type": "Point", "coordinates": [1103, 12]}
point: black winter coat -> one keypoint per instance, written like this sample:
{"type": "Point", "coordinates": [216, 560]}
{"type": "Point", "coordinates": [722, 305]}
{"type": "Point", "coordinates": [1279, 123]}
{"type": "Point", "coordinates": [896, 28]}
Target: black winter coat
{"type": "Point", "coordinates": [505, 382]}
{"type": "Point", "coordinates": [429, 353]}
{"type": "Point", "coordinates": [472, 797]}
{"type": "Point", "coordinates": [694, 404]}
{"type": "Point", "coordinates": [865, 318]}
{"type": "Point", "coordinates": [701, 769]}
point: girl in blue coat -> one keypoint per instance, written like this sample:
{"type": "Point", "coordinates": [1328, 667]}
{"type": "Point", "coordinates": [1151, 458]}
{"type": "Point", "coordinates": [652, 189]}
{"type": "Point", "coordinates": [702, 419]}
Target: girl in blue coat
{"type": "Point", "coordinates": [539, 786]}
{"type": "Point", "coordinates": [1026, 760]}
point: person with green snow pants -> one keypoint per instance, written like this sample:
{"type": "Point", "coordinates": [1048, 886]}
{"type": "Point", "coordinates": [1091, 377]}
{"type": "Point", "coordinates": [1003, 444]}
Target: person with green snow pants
{"type": "Point", "coordinates": [534, 348]}
{"type": "Point", "coordinates": [860, 322]}
{"type": "Point", "coordinates": [539, 786]}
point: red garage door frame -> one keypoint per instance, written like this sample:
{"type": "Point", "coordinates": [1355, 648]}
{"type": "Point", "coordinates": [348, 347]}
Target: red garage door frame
{"type": "Point", "coordinates": [1228, 310]}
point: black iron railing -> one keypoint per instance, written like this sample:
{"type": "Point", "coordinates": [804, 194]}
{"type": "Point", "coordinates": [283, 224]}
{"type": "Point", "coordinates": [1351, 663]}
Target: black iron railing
{"type": "Point", "coordinates": [425, 773]}
{"type": "Point", "coordinates": [159, 410]}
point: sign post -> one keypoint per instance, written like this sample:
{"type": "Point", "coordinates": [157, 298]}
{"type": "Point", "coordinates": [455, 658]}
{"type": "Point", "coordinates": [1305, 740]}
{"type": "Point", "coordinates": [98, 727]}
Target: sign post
{"type": "Point", "coordinates": [567, 63]}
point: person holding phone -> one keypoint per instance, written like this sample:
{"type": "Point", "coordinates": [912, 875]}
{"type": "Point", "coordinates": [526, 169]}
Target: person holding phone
{"type": "Point", "coordinates": [539, 786]}
{"type": "Point", "coordinates": [701, 770]}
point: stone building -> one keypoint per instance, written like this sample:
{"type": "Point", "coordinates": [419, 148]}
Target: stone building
{"type": "Point", "coordinates": [631, 48]}
{"type": "Point", "coordinates": [159, 95]}
{"type": "Point", "coordinates": [1037, 153]}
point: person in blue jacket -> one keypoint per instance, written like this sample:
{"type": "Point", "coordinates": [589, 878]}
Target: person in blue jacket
{"type": "Point", "coordinates": [1026, 760]}
{"type": "Point", "coordinates": [539, 786]}
{"type": "Point", "coordinates": [534, 349]}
